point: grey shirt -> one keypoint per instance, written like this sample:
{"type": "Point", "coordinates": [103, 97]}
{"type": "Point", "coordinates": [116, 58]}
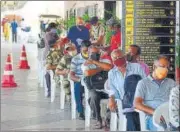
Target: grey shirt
{"type": "Point", "coordinates": [154, 94]}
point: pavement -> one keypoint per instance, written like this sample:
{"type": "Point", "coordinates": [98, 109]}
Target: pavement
{"type": "Point", "coordinates": [25, 107]}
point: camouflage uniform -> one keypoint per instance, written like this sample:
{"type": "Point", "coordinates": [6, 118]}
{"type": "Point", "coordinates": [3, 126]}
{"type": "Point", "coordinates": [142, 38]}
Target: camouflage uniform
{"type": "Point", "coordinates": [65, 63]}
{"type": "Point", "coordinates": [53, 58]}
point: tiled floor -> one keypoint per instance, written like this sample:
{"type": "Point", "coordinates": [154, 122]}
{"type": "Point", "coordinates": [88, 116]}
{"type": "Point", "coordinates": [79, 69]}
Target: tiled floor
{"type": "Point", "coordinates": [25, 107]}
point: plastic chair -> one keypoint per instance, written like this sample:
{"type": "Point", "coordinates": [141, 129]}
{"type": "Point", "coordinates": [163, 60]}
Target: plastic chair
{"type": "Point", "coordinates": [87, 107]}
{"type": "Point", "coordinates": [53, 86]}
{"type": "Point", "coordinates": [73, 102]}
{"type": "Point", "coordinates": [118, 123]}
{"type": "Point", "coordinates": [62, 94]}
{"type": "Point", "coordinates": [142, 118]}
{"type": "Point", "coordinates": [164, 111]}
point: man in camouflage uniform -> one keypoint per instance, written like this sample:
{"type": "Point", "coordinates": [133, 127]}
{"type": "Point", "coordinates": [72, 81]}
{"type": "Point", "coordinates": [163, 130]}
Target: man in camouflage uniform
{"type": "Point", "coordinates": [53, 57]}
{"type": "Point", "coordinates": [63, 67]}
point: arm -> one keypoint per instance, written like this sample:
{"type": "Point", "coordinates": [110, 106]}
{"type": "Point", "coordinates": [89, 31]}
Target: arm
{"type": "Point", "coordinates": [139, 99]}
{"type": "Point", "coordinates": [92, 72]}
{"type": "Point", "coordinates": [74, 77]}
{"type": "Point", "coordinates": [105, 66]}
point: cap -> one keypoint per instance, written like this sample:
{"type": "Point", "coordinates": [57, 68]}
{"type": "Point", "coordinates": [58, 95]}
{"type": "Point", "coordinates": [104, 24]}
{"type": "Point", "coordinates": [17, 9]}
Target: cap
{"type": "Point", "coordinates": [111, 21]}
{"type": "Point", "coordinates": [94, 20]}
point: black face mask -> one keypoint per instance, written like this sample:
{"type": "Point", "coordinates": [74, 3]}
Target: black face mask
{"type": "Point", "coordinates": [129, 57]}
{"type": "Point", "coordinates": [95, 56]}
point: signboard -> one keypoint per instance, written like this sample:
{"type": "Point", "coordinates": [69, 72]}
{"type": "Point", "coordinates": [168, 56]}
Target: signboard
{"type": "Point", "coordinates": [129, 23]}
{"type": "Point", "coordinates": [155, 30]}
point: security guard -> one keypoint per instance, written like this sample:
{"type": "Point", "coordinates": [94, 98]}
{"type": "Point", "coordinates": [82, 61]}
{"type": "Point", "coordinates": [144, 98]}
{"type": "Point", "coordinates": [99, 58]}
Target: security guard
{"type": "Point", "coordinates": [53, 57]}
{"type": "Point", "coordinates": [63, 67]}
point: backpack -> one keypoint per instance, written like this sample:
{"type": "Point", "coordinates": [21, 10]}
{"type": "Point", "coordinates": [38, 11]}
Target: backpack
{"type": "Point", "coordinates": [96, 81]}
{"type": "Point", "coordinates": [41, 42]}
{"type": "Point", "coordinates": [130, 84]}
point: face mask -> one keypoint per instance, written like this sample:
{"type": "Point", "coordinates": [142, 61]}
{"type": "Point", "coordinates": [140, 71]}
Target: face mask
{"type": "Point", "coordinates": [84, 55]}
{"type": "Point", "coordinates": [113, 32]}
{"type": "Point", "coordinates": [73, 53]}
{"type": "Point", "coordinates": [129, 57]}
{"type": "Point", "coordinates": [120, 62]}
{"type": "Point", "coordinates": [95, 56]}
{"type": "Point", "coordinates": [161, 72]}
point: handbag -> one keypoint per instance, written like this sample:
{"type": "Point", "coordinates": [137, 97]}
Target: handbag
{"type": "Point", "coordinates": [96, 81]}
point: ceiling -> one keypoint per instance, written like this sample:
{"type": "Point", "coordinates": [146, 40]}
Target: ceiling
{"type": "Point", "coordinates": [12, 5]}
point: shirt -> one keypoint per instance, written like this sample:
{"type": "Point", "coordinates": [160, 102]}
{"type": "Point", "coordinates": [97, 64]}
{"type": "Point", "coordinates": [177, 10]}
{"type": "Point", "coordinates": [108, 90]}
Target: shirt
{"type": "Point", "coordinates": [76, 32]}
{"type": "Point", "coordinates": [116, 78]}
{"type": "Point", "coordinates": [76, 63]}
{"type": "Point", "coordinates": [145, 67]}
{"type": "Point", "coordinates": [14, 27]}
{"type": "Point", "coordinates": [174, 106]}
{"type": "Point", "coordinates": [115, 41]}
{"type": "Point", "coordinates": [153, 94]}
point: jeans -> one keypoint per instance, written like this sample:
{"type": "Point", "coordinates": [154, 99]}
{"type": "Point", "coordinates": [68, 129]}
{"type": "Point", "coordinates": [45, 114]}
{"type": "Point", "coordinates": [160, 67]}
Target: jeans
{"type": "Point", "coordinates": [133, 121]}
{"type": "Point", "coordinates": [94, 102]}
{"type": "Point", "coordinates": [149, 124]}
{"type": "Point", "coordinates": [48, 82]}
{"type": "Point", "coordinates": [78, 92]}
{"type": "Point", "coordinates": [14, 37]}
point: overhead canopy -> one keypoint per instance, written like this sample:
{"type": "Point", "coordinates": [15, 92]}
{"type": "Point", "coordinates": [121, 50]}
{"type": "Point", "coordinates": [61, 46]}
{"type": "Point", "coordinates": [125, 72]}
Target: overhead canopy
{"type": "Point", "coordinates": [12, 5]}
{"type": "Point", "coordinates": [49, 16]}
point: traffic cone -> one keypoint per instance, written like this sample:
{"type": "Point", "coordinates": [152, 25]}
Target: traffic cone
{"type": "Point", "coordinates": [23, 64]}
{"type": "Point", "coordinates": [8, 77]}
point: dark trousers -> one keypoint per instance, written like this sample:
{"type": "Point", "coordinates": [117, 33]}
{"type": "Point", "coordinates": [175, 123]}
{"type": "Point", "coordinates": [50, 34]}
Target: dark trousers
{"type": "Point", "coordinates": [14, 37]}
{"type": "Point", "coordinates": [133, 121]}
{"type": "Point", "coordinates": [48, 81]}
{"type": "Point", "coordinates": [78, 92]}
{"type": "Point", "coordinates": [94, 102]}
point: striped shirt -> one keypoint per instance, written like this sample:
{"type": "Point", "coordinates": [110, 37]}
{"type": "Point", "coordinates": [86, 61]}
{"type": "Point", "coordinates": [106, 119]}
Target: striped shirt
{"type": "Point", "coordinates": [76, 63]}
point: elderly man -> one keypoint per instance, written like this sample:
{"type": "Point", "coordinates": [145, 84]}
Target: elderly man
{"type": "Point", "coordinates": [116, 79]}
{"type": "Point", "coordinates": [76, 75]}
{"type": "Point", "coordinates": [154, 90]}
{"type": "Point", "coordinates": [94, 65]}
{"type": "Point", "coordinates": [79, 31]}
{"type": "Point", "coordinates": [63, 68]}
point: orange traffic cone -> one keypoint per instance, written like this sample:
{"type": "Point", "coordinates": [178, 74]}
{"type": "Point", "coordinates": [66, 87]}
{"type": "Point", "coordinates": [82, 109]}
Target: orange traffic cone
{"type": "Point", "coordinates": [23, 64]}
{"type": "Point", "coordinates": [8, 77]}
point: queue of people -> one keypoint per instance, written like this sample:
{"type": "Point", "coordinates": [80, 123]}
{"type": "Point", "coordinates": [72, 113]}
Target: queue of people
{"type": "Point", "coordinates": [85, 57]}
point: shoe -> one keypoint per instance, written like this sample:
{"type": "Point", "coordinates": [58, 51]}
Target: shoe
{"type": "Point", "coordinates": [49, 94]}
{"type": "Point", "coordinates": [98, 125]}
{"type": "Point", "coordinates": [81, 116]}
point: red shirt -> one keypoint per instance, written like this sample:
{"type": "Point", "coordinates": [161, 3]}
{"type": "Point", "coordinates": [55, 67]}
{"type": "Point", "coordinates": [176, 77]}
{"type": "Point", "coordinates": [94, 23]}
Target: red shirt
{"type": "Point", "coordinates": [115, 41]}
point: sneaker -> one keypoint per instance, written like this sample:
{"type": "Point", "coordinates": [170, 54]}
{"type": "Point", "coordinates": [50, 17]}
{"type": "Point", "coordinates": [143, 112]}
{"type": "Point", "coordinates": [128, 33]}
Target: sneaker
{"type": "Point", "coordinates": [81, 116]}
{"type": "Point", "coordinates": [98, 125]}
{"type": "Point", "coordinates": [49, 94]}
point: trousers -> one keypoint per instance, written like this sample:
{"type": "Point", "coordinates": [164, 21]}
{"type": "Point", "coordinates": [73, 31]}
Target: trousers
{"type": "Point", "coordinates": [78, 92]}
{"type": "Point", "coordinates": [94, 102]}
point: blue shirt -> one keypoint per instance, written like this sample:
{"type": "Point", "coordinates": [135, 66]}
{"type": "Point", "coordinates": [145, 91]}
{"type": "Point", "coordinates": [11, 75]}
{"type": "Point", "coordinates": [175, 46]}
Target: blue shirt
{"type": "Point", "coordinates": [152, 93]}
{"type": "Point", "coordinates": [14, 27]}
{"type": "Point", "coordinates": [76, 63]}
{"type": "Point", "coordinates": [116, 78]}
{"type": "Point", "coordinates": [75, 33]}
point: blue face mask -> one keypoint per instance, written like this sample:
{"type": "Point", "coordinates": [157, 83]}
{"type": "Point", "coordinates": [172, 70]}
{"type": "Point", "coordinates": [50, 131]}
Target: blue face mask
{"type": "Point", "coordinates": [113, 32]}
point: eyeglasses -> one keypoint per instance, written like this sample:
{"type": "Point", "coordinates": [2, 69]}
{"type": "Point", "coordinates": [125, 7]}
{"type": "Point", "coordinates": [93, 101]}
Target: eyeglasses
{"type": "Point", "coordinates": [118, 57]}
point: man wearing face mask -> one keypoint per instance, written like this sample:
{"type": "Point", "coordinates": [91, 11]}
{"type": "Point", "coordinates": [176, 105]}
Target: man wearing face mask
{"type": "Point", "coordinates": [154, 90]}
{"type": "Point", "coordinates": [133, 56]}
{"type": "Point", "coordinates": [63, 68]}
{"type": "Point", "coordinates": [116, 80]}
{"type": "Point", "coordinates": [115, 42]}
{"type": "Point", "coordinates": [93, 66]}
{"type": "Point", "coordinates": [76, 75]}
{"type": "Point", "coordinates": [97, 32]}
{"type": "Point", "coordinates": [79, 31]}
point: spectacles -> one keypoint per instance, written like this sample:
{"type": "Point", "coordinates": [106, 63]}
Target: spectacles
{"type": "Point", "coordinates": [118, 57]}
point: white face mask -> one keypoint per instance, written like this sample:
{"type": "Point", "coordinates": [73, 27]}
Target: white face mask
{"type": "Point", "coordinates": [73, 53]}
